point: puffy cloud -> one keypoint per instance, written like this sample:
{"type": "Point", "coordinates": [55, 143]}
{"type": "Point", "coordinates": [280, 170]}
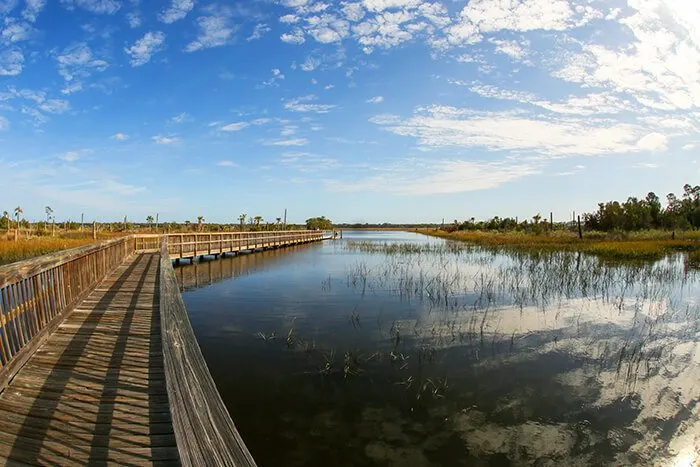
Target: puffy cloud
{"type": "Point", "coordinates": [375, 100]}
{"type": "Point", "coordinates": [11, 61]}
{"type": "Point", "coordinates": [215, 30]}
{"type": "Point", "coordinates": [294, 37]}
{"type": "Point", "coordinates": [144, 48]}
{"type": "Point", "coordinates": [653, 142]}
{"type": "Point", "coordinates": [77, 61]}
{"type": "Point", "coordinates": [32, 9]}
{"type": "Point", "coordinates": [177, 10]}
{"type": "Point", "coordinates": [120, 136]}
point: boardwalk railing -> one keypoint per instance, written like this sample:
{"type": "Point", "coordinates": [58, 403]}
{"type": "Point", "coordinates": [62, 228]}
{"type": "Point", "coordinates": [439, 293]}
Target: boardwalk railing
{"type": "Point", "coordinates": [36, 294]}
{"type": "Point", "coordinates": [204, 431]}
{"type": "Point", "coordinates": [191, 245]}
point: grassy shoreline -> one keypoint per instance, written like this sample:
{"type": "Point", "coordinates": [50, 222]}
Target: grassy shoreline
{"type": "Point", "coordinates": [24, 248]}
{"type": "Point", "coordinates": [651, 245]}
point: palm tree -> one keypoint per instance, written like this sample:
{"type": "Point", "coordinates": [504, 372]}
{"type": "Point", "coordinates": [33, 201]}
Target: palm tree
{"type": "Point", "coordinates": [149, 219]}
{"type": "Point", "coordinates": [6, 216]}
{"type": "Point", "coordinates": [200, 221]}
{"type": "Point", "coordinates": [241, 218]}
{"type": "Point", "coordinates": [18, 213]}
{"type": "Point", "coordinates": [49, 213]}
{"type": "Point", "coordinates": [258, 220]}
{"type": "Point", "coordinates": [187, 225]}
{"type": "Point", "coordinates": [536, 218]}
{"type": "Point", "coordinates": [278, 221]}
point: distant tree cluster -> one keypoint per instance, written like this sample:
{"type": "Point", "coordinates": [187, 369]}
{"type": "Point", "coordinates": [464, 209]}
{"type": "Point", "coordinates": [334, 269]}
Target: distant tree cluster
{"type": "Point", "coordinates": [319, 223]}
{"type": "Point", "coordinates": [648, 213]}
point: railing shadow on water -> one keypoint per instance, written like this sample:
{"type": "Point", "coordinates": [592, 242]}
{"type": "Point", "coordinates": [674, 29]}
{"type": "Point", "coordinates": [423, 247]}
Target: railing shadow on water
{"type": "Point", "coordinates": [195, 275]}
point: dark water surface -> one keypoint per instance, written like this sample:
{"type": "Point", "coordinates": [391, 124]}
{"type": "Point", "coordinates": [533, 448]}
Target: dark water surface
{"type": "Point", "coordinates": [391, 348]}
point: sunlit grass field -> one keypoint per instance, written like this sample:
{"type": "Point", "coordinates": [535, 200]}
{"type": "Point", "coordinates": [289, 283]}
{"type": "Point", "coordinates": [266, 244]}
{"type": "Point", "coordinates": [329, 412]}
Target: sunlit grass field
{"type": "Point", "coordinates": [636, 245]}
{"type": "Point", "coordinates": [25, 248]}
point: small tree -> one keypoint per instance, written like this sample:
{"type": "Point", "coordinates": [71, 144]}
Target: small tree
{"type": "Point", "coordinates": [200, 223]}
{"type": "Point", "coordinates": [6, 219]}
{"type": "Point", "coordinates": [319, 223]}
{"type": "Point", "coordinates": [18, 213]}
{"type": "Point", "coordinates": [241, 219]}
{"type": "Point", "coordinates": [149, 220]}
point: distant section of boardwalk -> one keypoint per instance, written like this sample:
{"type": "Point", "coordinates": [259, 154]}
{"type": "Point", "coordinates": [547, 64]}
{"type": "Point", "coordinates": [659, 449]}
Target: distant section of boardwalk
{"type": "Point", "coordinates": [95, 392]}
{"type": "Point", "coordinates": [98, 360]}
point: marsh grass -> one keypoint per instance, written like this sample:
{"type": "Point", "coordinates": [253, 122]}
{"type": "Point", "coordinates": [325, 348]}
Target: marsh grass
{"type": "Point", "coordinates": [650, 245]}
{"type": "Point", "coordinates": [25, 248]}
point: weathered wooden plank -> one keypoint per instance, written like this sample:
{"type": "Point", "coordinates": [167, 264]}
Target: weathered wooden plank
{"type": "Point", "coordinates": [203, 427]}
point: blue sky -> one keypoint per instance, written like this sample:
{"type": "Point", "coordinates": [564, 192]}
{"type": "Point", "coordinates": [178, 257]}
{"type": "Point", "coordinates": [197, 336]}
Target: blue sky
{"type": "Point", "coordinates": [362, 111]}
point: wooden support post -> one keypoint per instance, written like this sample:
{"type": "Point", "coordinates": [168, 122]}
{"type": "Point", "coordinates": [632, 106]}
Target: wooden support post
{"type": "Point", "coordinates": [94, 230]}
{"type": "Point", "coordinates": [551, 221]}
{"type": "Point", "coordinates": [580, 232]}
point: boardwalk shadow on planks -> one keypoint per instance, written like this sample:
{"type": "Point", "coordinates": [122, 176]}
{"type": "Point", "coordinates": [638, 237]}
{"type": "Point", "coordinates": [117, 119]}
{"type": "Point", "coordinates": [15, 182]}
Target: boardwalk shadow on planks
{"type": "Point", "coordinates": [95, 391]}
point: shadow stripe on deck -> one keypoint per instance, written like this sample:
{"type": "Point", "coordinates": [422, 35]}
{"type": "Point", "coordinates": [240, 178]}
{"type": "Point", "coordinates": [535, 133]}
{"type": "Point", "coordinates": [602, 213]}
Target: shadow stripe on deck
{"type": "Point", "coordinates": [95, 392]}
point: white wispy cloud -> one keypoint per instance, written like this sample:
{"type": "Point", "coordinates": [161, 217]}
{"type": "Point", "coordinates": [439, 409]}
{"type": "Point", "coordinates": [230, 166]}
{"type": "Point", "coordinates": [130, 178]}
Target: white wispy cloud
{"type": "Point", "coordinates": [236, 126]}
{"type": "Point", "coordinates": [430, 177]}
{"type": "Point", "coordinates": [226, 163]}
{"type": "Point", "coordinates": [375, 100]}
{"type": "Point", "coordinates": [177, 10]}
{"type": "Point", "coordinates": [181, 118]}
{"type": "Point", "coordinates": [288, 142]}
{"type": "Point", "coordinates": [259, 31]}
{"type": "Point", "coordinates": [120, 136]}
{"type": "Point", "coordinates": [689, 146]}
{"type": "Point", "coordinates": [144, 48]}
{"type": "Point", "coordinates": [107, 7]}
{"type": "Point", "coordinates": [165, 139]}
{"type": "Point", "coordinates": [73, 156]}
{"type": "Point", "coordinates": [215, 30]}
{"type": "Point", "coordinates": [516, 132]}
{"type": "Point", "coordinates": [4, 123]}
{"type": "Point", "coordinates": [277, 76]}
{"type": "Point", "coordinates": [302, 104]}
{"type": "Point", "coordinates": [55, 106]}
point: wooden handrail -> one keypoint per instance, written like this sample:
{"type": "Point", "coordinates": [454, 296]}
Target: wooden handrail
{"type": "Point", "coordinates": [37, 294]}
{"type": "Point", "coordinates": [204, 431]}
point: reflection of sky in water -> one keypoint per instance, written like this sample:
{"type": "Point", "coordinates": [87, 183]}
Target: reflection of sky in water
{"type": "Point", "coordinates": [453, 356]}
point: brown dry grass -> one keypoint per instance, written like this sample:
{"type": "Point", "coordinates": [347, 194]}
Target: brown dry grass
{"type": "Point", "coordinates": [25, 248]}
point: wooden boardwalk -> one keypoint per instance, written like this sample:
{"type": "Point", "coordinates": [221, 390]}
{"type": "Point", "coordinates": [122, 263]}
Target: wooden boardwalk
{"type": "Point", "coordinates": [95, 392]}
{"type": "Point", "coordinates": [99, 363]}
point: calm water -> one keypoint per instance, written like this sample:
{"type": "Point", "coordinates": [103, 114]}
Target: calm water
{"type": "Point", "coordinates": [391, 348]}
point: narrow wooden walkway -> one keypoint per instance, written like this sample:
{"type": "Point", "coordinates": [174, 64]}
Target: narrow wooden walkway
{"type": "Point", "coordinates": [95, 391]}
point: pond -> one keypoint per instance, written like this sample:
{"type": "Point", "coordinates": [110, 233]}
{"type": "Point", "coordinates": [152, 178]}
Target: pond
{"type": "Point", "coordinates": [393, 348]}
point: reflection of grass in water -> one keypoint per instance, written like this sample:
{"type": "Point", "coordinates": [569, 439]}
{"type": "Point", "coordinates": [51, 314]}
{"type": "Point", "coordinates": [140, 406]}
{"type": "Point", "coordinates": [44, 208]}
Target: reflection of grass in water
{"type": "Point", "coordinates": [465, 289]}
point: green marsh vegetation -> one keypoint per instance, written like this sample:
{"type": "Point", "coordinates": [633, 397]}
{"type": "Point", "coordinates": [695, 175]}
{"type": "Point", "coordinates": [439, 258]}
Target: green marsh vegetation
{"type": "Point", "coordinates": [638, 229]}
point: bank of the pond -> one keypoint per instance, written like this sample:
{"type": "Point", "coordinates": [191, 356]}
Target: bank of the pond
{"type": "Point", "coordinates": [641, 246]}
